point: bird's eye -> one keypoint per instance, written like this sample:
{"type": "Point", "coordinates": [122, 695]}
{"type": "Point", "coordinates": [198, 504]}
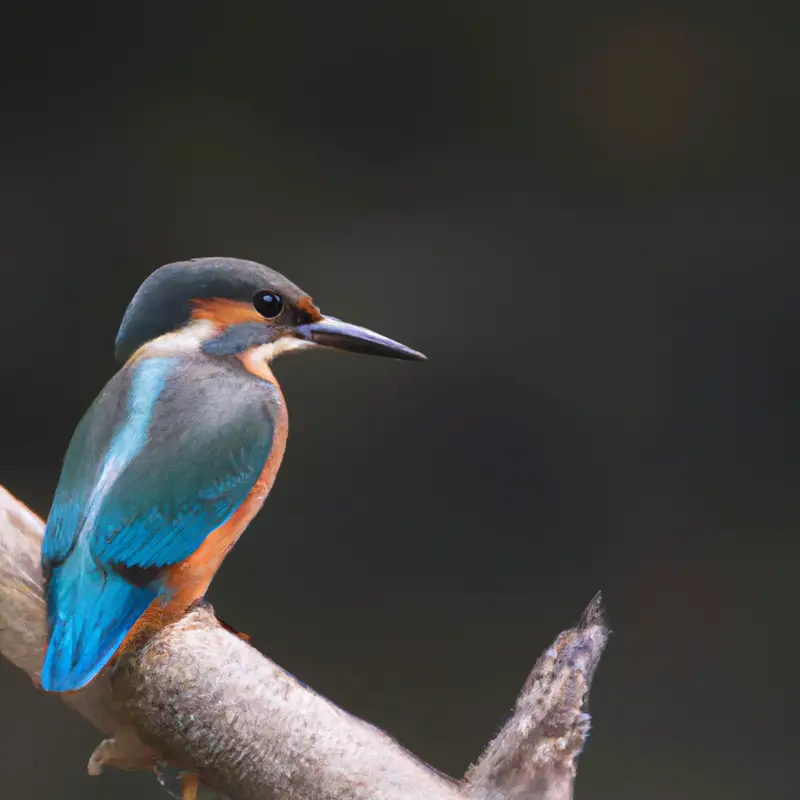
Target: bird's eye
{"type": "Point", "coordinates": [268, 304]}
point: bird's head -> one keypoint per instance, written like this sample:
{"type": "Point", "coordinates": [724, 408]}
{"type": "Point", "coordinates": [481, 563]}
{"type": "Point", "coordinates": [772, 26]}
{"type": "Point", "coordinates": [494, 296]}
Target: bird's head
{"type": "Point", "coordinates": [228, 306]}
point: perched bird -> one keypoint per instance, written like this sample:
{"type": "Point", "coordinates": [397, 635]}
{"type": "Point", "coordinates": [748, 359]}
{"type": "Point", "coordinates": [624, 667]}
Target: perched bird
{"type": "Point", "coordinates": [176, 454]}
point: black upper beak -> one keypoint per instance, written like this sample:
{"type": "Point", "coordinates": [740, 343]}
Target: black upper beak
{"type": "Point", "coordinates": [332, 332]}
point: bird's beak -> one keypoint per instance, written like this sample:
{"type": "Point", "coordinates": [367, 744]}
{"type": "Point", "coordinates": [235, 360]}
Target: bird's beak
{"type": "Point", "coordinates": [332, 332]}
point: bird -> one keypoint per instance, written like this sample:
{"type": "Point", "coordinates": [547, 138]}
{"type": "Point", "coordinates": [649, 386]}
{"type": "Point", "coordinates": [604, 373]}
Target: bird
{"type": "Point", "coordinates": [175, 455]}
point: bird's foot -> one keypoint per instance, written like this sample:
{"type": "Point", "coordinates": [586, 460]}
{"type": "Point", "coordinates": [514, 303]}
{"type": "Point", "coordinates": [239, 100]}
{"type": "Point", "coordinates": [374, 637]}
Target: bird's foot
{"type": "Point", "coordinates": [190, 785]}
{"type": "Point", "coordinates": [227, 627]}
{"type": "Point", "coordinates": [204, 604]}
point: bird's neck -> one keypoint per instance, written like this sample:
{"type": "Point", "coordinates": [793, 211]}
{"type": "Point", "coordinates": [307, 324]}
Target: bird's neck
{"type": "Point", "coordinates": [257, 362]}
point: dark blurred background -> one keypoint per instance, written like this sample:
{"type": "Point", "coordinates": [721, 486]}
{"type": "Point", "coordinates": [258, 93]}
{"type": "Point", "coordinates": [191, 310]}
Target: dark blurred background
{"type": "Point", "coordinates": [586, 218]}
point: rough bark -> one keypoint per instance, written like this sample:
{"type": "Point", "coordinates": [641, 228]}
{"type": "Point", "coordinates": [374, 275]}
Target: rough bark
{"type": "Point", "coordinates": [199, 697]}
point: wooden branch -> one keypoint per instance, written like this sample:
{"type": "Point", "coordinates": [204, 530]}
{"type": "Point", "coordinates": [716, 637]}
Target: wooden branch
{"type": "Point", "coordinates": [199, 697]}
{"type": "Point", "coordinates": [536, 753]}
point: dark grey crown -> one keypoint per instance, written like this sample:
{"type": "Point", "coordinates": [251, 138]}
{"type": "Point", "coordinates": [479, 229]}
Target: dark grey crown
{"type": "Point", "coordinates": [162, 302]}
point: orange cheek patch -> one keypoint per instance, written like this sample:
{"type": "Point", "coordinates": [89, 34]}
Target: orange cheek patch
{"type": "Point", "coordinates": [225, 312]}
{"type": "Point", "coordinates": [306, 305]}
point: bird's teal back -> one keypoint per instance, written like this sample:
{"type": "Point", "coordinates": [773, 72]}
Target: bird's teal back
{"type": "Point", "coordinates": [164, 456]}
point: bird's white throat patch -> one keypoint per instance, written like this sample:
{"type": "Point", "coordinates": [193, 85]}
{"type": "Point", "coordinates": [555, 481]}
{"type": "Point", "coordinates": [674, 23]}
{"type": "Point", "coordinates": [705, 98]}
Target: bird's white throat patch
{"type": "Point", "coordinates": [286, 344]}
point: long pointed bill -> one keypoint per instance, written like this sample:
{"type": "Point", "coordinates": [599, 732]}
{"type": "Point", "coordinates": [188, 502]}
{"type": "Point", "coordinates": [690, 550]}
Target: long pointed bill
{"type": "Point", "coordinates": [332, 332]}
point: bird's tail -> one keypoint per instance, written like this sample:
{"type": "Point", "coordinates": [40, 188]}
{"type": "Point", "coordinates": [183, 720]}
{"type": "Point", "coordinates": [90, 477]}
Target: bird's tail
{"type": "Point", "coordinates": [89, 614]}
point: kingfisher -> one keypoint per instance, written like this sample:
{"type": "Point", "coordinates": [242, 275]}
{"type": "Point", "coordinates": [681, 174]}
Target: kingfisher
{"type": "Point", "coordinates": [176, 455]}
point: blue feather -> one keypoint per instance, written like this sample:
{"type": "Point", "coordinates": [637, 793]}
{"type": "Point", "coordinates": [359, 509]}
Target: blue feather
{"type": "Point", "coordinates": [162, 458]}
{"type": "Point", "coordinates": [83, 480]}
{"type": "Point", "coordinates": [90, 613]}
{"type": "Point", "coordinates": [91, 610]}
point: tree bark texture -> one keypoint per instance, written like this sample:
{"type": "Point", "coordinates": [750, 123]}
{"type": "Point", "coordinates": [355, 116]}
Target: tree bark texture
{"type": "Point", "coordinates": [199, 697]}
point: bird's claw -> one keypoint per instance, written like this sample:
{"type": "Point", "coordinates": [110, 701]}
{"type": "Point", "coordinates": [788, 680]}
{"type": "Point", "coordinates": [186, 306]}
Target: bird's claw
{"type": "Point", "coordinates": [190, 785]}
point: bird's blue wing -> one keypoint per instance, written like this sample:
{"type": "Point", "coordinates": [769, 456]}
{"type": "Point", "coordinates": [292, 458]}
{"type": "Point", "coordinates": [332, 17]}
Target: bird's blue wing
{"type": "Point", "coordinates": [177, 491]}
{"type": "Point", "coordinates": [179, 460]}
{"type": "Point", "coordinates": [82, 463]}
